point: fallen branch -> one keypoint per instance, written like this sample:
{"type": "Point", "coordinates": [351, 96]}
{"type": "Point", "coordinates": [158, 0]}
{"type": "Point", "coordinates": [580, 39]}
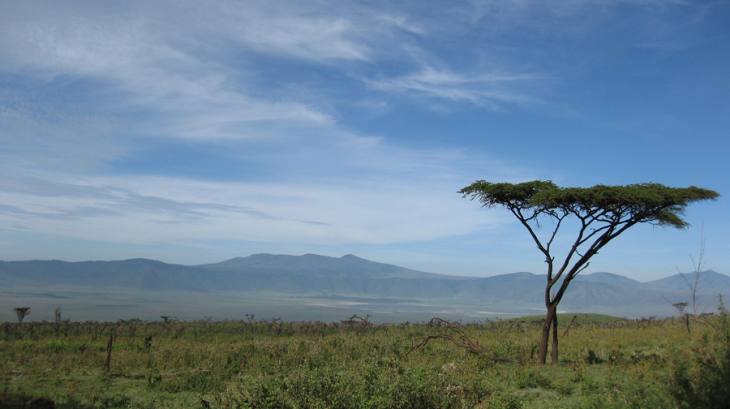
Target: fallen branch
{"type": "Point", "coordinates": [565, 333]}
{"type": "Point", "coordinates": [448, 331]}
{"type": "Point", "coordinates": [356, 319]}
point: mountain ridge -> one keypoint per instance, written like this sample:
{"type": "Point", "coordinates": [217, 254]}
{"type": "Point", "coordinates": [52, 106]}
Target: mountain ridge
{"type": "Point", "coordinates": [592, 276]}
{"type": "Point", "coordinates": [352, 276]}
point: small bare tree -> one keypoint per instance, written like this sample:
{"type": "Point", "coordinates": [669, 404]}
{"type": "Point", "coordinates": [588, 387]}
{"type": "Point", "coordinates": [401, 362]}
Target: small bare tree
{"type": "Point", "coordinates": [109, 346]}
{"type": "Point", "coordinates": [681, 308]}
{"type": "Point", "coordinates": [21, 312]}
{"type": "Point", "coordinates": [698, 267]}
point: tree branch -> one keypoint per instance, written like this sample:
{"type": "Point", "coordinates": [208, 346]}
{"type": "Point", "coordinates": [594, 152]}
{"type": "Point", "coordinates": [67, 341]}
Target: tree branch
{"type": "Point", "coordinates": [555, 231]}
{"type": "Point", "coordinates": [518, 214]}
{"type": "Point", "coordinates": [544, 249]}
{"type": "Point", "coordinates": [582, 263]}
{"type": "Point", "coordinates": [570, 254]}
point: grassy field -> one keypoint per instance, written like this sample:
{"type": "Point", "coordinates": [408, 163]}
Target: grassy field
{"type": "Point", "coordinates": [605, 363]}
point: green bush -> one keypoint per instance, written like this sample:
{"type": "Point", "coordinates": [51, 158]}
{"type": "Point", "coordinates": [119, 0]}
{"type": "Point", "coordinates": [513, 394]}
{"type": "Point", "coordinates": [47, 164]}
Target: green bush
{"type": "Point", "coordinates": [377, 387]}
{"type": "Point", "coordinates": [703, 381]}
{"type": "Point", "coordinates": [505, 401]}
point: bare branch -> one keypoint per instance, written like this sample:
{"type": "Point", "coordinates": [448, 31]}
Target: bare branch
{"type": "Point", "coordinates": [570, 255]}
{"type": "Point", "coordinates": [555, 231]}
{"type": "Point", "coordinates": [521, 218]}
{"type": "Point", "coordinates": [581, 264]}
{"type": "Point", "coordinates": [449, 331]}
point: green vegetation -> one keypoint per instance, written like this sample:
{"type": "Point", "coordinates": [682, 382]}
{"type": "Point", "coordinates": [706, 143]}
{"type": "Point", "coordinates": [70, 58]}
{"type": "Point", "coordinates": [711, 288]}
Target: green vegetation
{"type": "Point", "coordinates": [580, 319]}
{"type": "Point", "coordinates": [605, 363]}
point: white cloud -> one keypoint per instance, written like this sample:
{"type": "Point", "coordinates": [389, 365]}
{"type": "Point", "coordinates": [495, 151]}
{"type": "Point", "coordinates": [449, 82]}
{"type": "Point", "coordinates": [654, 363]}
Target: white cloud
{"type": "Point", "coordinates": [189, 67]}
{"type": "Point", "coordinates": [189, 64]}
{"type": "Point", "coordinates": [144, 64]}
{"type": "Point", "coordinates": [155, 209]}
{"type": "Point", "coordinates": [491, 90]}
{"type": "Point", "coordinates": [151, 71]}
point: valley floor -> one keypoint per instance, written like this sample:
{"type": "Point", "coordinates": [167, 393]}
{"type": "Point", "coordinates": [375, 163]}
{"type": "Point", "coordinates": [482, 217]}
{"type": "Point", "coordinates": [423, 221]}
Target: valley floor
{"type": "Point", "coordinates": [605, 363]}
{"type": "Point", "coordinates": [110, 304]}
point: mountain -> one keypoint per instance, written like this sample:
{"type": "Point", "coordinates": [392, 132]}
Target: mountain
{"type": "Point", "coordinates": [608, 278]}
{"type": "Point", "coordinates": [312, 265]}
{"type": "Point", "coordinates": [351, 276]}
{"type": "Point", "coordinates": [709, 280]}
{"type": "Point", "coordinates": [133, 274]}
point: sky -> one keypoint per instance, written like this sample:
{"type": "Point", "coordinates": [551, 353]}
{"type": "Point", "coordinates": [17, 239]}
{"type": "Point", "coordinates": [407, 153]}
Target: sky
{"type": "Point", "coordinates": [196, 131]}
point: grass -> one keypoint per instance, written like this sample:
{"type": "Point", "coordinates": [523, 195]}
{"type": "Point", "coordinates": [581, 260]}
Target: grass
{"type": "Point", "coordinates": [580, 318]}
{"type": "Point", "coordinates": [605, 363]}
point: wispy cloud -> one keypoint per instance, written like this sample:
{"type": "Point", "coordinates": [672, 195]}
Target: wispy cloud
{"type": "Point", "coordinates": [489, 90]}
{"type": "Point", "coordinates": [187, 67]}
{"type": "Point", "coordinates": [133, 208]}
{"type": "Point", "coordinates": [145, 67]}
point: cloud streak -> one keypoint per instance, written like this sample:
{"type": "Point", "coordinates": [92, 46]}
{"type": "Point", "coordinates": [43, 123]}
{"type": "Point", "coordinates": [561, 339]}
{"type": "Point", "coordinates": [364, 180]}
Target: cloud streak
{"type": "Point", "coordinates": [161, 59]}
{"type": "Point", "coordinates": [489, 90]}
{"type": "Point", "coordinates": [132, 207]}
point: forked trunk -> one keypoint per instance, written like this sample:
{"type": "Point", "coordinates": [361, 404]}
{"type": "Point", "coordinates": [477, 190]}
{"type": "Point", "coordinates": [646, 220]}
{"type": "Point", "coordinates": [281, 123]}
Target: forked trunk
{"type": "Point", "coordinates": [554, 352]}
{"type": "Point", "coordinates": [549, 318]}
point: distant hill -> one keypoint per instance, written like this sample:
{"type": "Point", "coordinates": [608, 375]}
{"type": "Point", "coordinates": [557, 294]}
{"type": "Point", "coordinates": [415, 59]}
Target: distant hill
{"type": "Point", "coordinates": [352, 276]}
{"type": "Point", "coordinates": [313, 265]}
{"type": "Point", "coordinates": [709, 280]}
{"type": "Point", "coordinates": [608, 278]}
{"type": "Point", "coordinates": [133, 274]}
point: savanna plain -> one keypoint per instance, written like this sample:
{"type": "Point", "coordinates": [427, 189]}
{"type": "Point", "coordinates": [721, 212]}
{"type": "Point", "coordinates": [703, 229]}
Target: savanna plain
{"type": "Point", "coordinates": [605, 362]}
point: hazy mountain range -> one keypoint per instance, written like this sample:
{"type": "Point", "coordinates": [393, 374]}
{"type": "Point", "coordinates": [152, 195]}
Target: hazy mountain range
{"type": "Point", "coordinates": [351, 277]}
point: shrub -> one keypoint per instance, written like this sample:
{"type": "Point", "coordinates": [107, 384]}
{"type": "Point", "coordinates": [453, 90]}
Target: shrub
{"type": "Point", "coordinates": [702, 381]}
{"type": "Point", "coordinates": [381, 387]}
{"type": "Point", "coordinates": [505, 401]}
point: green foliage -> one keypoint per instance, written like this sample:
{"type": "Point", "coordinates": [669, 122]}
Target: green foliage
{"type": "Point", "coordinates": [593, 358]}
{"type": "Point", "coordinates": [702, 380]}
{"type": "Point", "coordinates": [646, 202]}
{"type": "Point", "coordinates": [505, 401]}
{"type": "Point", "coordinates": [375, 387]}
{"type": "Point", "coordinates": [581, 319]}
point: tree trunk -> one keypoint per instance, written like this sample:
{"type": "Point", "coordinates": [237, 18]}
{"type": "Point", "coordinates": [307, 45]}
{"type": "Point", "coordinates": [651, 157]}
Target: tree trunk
{"type": "Point", "coordinates": [109, 345]}
{"type": "Point", "coordinates": [542, 358]}
{"type": "Point", "coordinates": [554, 352]}
{"type": "Point", "coordinates": [551, 323]}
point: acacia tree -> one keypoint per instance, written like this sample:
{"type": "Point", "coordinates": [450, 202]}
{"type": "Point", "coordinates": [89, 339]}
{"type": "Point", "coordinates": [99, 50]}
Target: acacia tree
{"type": "Point", "coordinates": [21, 312]}
{"type": "Point", "coordinates": [601, 213]}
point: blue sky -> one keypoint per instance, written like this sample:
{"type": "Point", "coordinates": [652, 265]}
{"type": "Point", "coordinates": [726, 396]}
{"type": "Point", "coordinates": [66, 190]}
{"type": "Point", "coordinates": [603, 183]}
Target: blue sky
{"type": "Point", "coordinates": [197, 131]}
